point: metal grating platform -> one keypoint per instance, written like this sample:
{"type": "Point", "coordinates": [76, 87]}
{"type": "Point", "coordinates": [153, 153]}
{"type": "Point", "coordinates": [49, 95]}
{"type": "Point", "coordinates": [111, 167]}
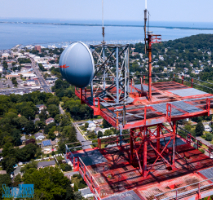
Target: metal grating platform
{"type": "Point", "coordinates": [186, 107]}
{"type": "Point", "coordinates": [124, 196]}
{"type": "Point", "coordinates": [91, 157]}
{"type": "Point", "coordinates": [178, 142]}
{"type": "Point", "coordinates": [187, 92]}
{"type": "Point", "coordinates": [208, 173]}
{"type": "Point", "coordinates": [145, 87]}
{"type": "Point", "coordinates": [162, 108]}
{"type": "Point", "coordinates": [179, 104]}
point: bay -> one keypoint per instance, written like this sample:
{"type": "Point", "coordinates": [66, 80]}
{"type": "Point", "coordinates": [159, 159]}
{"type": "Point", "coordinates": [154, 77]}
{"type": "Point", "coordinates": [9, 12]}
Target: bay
{"type": "Point", "coordinates": [62, 32]}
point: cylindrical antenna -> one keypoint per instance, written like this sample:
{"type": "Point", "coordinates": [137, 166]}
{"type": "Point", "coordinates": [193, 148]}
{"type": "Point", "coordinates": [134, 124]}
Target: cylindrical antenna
{"type": "Point", "coordinates": [103, 29]}
{"type": "Point", "coordinates": [145, 20]}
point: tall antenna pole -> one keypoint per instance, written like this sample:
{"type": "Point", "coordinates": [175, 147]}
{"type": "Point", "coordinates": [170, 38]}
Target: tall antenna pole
{"type": "Point", "coordinates": [145, 20]}
{"type": "Point", "coordinates": [103, 28]}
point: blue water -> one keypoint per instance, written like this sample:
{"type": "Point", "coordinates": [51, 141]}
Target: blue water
{"type": "Point", "coordinates": [58, 32]}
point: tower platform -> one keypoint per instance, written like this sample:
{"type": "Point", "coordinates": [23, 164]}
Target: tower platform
{"type": "Point", "coordinates": [154, 162]}
{"type": "Point", "coordinates": [110, 175]}
{"type": "Point", "coordinates": [170, 101]}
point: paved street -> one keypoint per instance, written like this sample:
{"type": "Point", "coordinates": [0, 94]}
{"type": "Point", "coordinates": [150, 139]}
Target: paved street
{"type": "Point", "coordinates": [81, 138]}
{"type": "Point", "coordinates": [40, 77]}
{"type": "Point", "coordinates": [61, 109]}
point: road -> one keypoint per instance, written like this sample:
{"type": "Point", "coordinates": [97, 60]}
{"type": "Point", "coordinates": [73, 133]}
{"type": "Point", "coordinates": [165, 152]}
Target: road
{"type": "Point", "coordinates": [61, 110]}
{"type": "Point", "coordinates": [86, 144]}
{"type": "Point", "coordinates": [40, 77]}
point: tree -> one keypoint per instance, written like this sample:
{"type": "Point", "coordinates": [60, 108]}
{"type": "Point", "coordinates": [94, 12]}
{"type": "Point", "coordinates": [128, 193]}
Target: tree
{"type": "Point", "coordinates": [5, 65]}
{"type": "Point", "coordinates": [48, 127]}
{"type": "Point", "coordinates": [100, 134]}
{"type": "Point", "coordinates": [199, 129]}
{"type": "Point", "coordinates": [61, 147]}
{"type": "Point", "coordinates": [50, 182]}
{"type": "Point", "coordinates": [26, 153]}
{"type": "Point", "coordinates": [8, 163]}
{"type": "Point", "coordinates": [43, 115]}
{"type": "Point", "coordinates": [106, 124]}
{"type": "Point", "coordinates": [53, 110]}
{"type": "Point", "coordinates": [75, 187]}
{"type": "Point", "coordinates": [17, 180]}
{"type": "Point", "coordinates": [39, 125]}
{"type": "Point", "coordinates": [57, 118]}
{"type": "Point", "coordinates": [30, 165]}
{"type": "Point", "coordinates": [28, 112]}
{"type": "Point", "coordinates": [30, 127]}
{"type": "Point", "coordinates": [51, 134]}
{"type": "Point", "coordinates": [14, 81]}
{"type": "Point", "coordinates": [86, 125]}
{"type": "Point", "coordinates": [209, 137]}
{"type": "Point", "coordinates": [4, 179]}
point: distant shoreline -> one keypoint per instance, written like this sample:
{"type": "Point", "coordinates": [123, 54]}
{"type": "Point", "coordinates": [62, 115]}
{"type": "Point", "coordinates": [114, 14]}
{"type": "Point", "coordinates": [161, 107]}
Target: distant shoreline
{"type": "Point", "coordinates": [112, 25]}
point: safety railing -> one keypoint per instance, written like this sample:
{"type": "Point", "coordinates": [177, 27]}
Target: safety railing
{"type": "Point", "coordinates": [191, 139]}
{"type": "Point", "coordinates": [179, 194]}
{"type": "Point", "coordinates": [89, 179]}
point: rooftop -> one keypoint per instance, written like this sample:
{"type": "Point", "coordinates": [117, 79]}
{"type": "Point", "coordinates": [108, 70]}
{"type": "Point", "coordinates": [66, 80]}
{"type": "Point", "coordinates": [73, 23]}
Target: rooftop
{"type": "Point", "coordinates": [46, 143]}
{"type": "Point", "coordinates": [46, 163]}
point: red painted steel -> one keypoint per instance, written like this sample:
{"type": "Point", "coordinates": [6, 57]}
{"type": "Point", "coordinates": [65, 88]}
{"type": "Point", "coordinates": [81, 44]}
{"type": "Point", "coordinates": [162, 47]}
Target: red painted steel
{"type": "Point", "coordinates": [144, 152]}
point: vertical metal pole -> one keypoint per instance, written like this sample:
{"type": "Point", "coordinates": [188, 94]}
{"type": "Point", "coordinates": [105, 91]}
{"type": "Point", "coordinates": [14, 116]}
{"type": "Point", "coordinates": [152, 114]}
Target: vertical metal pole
{"type": "Point", "coordinates": [174, 144]}
{"type": "Point", "coordinates": [127, 70]}
{"type": "Point", "coordinates": [145, 153]}
{"type": "Point", "coordinates": [117, 82]}
{"type": "Point", "coordinates": [125, 76]}
{"type": "Point", "coordinates": [150, 66]}
{"type": "Point", "coordinates": [131, 145]}
{"type": "Point", "coordinates": [158, 136]}
{"type": "Point", "coordinates": [120, 135]}
{"type": "Point", "coordinates": [104, 83]}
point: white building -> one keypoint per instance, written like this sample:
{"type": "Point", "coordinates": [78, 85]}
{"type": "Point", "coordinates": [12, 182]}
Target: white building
{"type": "Point", "coordinates": [207, 128]}
{"type": "Point", "coordinates": [5, 55]}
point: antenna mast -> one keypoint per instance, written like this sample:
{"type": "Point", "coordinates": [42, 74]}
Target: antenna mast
{"type": "Point", "coordinates": [145, 20]}
{"type": "Point", "coordinates": [103, 28]}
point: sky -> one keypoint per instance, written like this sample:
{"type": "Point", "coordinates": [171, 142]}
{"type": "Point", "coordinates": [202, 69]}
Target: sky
{"type": "Point", "coordinates": [131, 10]}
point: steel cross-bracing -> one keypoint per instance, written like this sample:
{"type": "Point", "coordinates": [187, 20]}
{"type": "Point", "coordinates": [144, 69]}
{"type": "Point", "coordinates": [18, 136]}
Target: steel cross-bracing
{"type": "Point", "coordinates": [111, 79]}
{"type": "Point", "coordinates": [153, 149]}
{"type": "Point", "coordinates": [141, 138]}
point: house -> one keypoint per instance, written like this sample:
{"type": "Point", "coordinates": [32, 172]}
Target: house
{"type": "Point", "coordinates": [47, 146]}
{"type": "Point", "coordinates": [23, 138]}
{"type": "Point", "coordinates": [97, 130]}
{"type": "Point", "coordinates": [5, 55]}
{"type": "Point", "coordinates": [49, 120]}
{"type": "Point", "coordinates": [207, 128]}
{"type": "Point", "coordinates": [17, 171]}
{"type": "Point", "coordinates": [91, 124]}
{"type": "Point", "coordinates": [86, 193]}
{"type": "Point", "coordinates": [46, 143]}
{"type": "Point", "coordinates": [41, 107]}
{"type": "Point", "coordinates": [161, 57]}
{"type": "Point", "coordinates": [46, 164]}
{"type": "Point", "coordinates": [39, 136]}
